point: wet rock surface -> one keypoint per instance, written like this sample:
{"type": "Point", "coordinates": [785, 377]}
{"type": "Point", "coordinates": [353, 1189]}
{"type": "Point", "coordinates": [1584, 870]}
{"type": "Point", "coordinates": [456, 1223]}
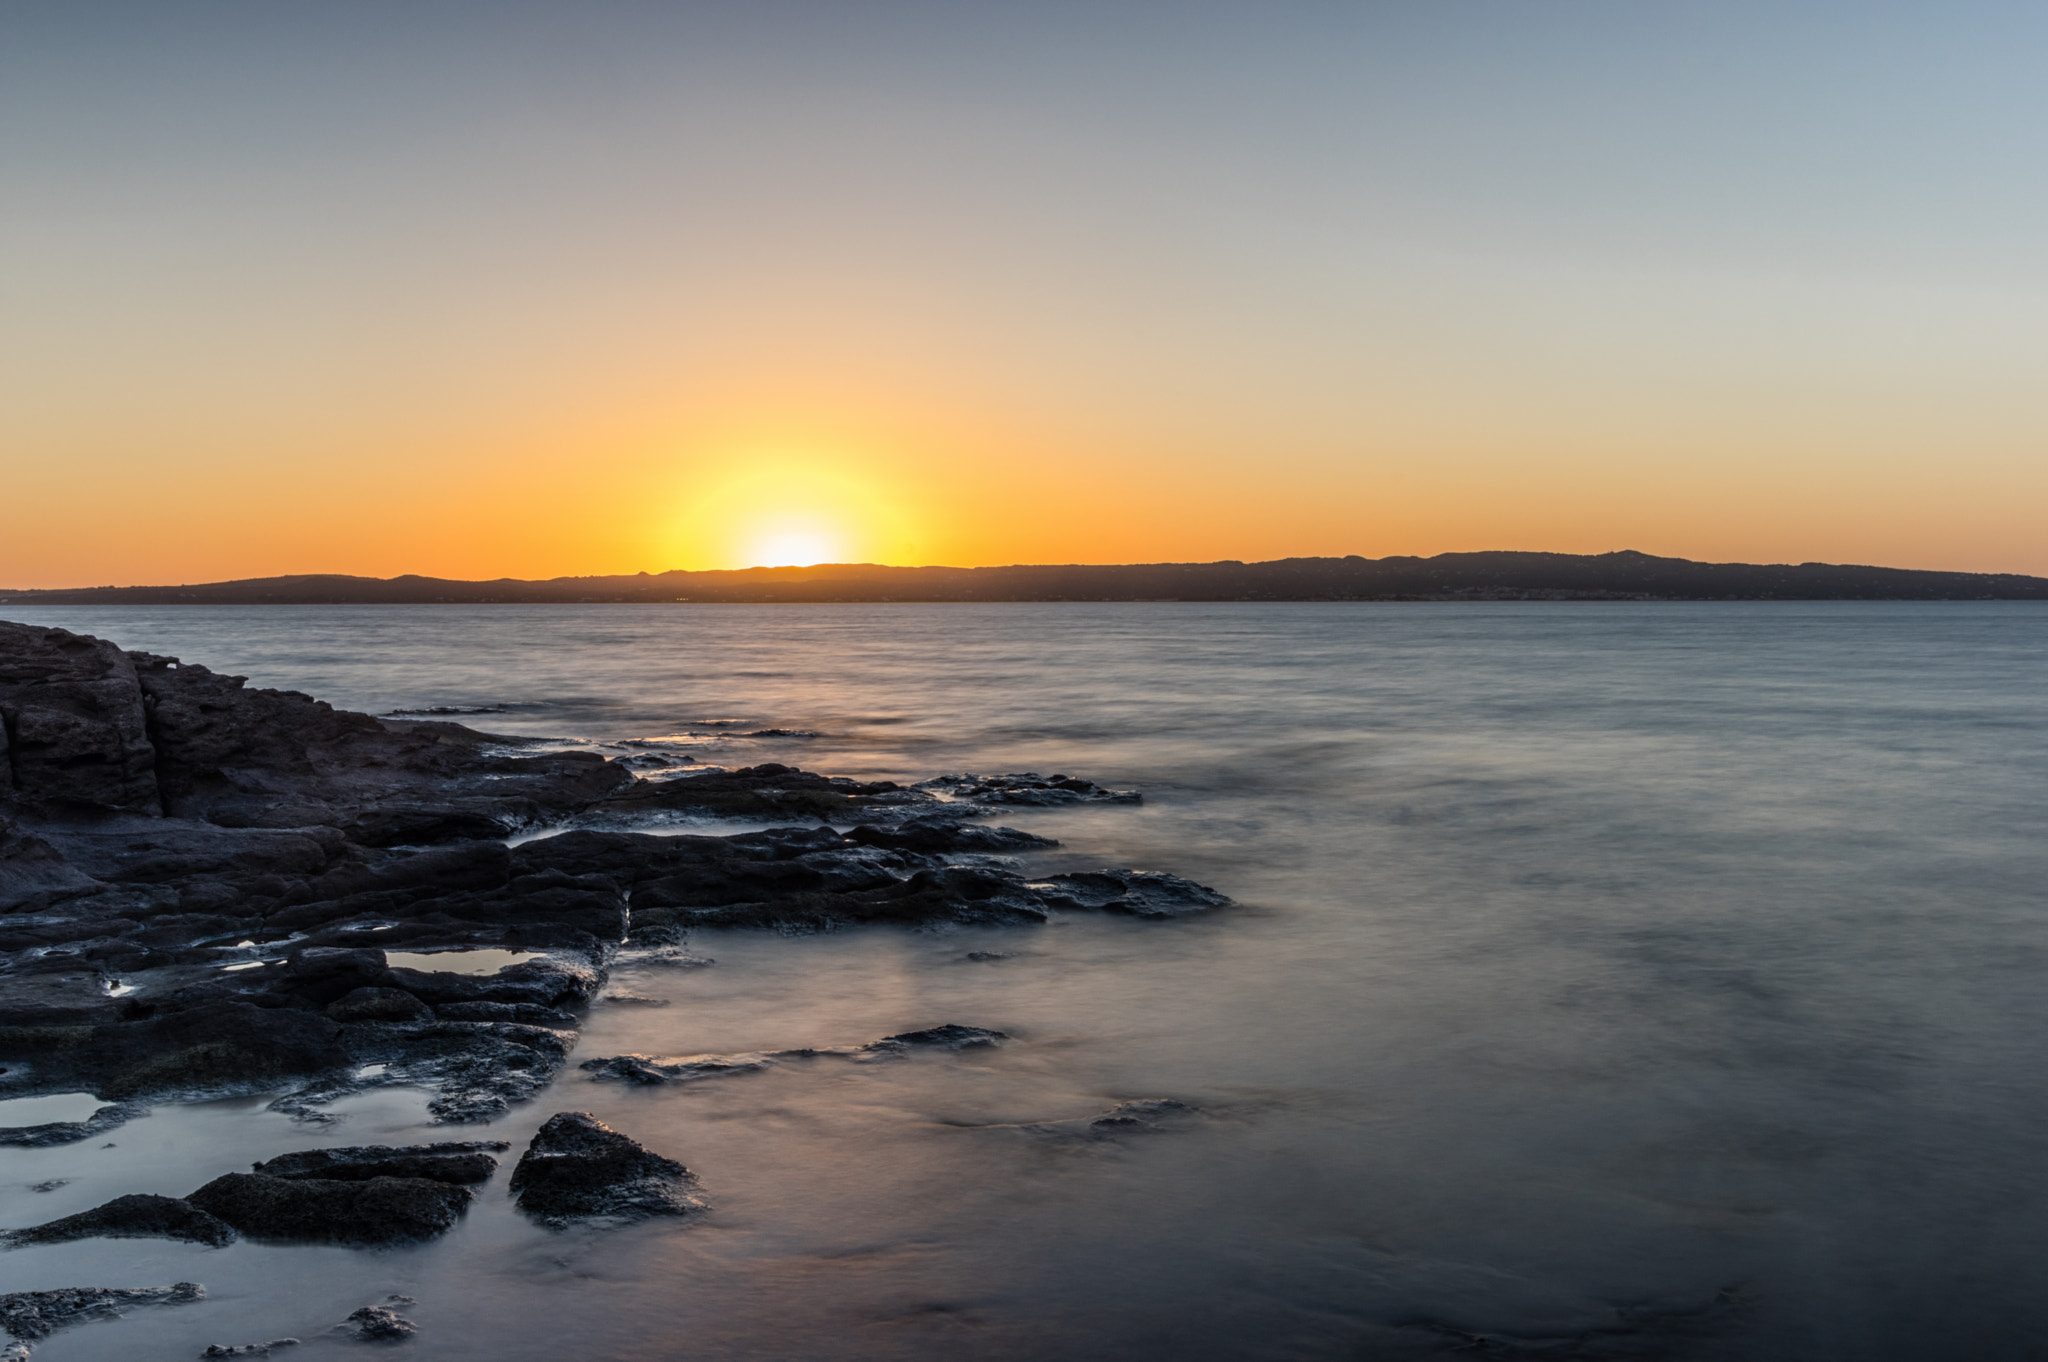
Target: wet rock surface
{"type": "Point", "coordinates": [380, 1323]}
{"type": "Point", "coordinates": [579, 1168]}
{"type": "Point", "coordinates": [462, 1162]}
{"type": "Point", "coordinates": [653, 1070]}
{"type": "Point", "coordinates": [376, 1210]}
{"type": "Point", "coordinates": [205, 888]}
{"type": "Point", "coordinates": [31, 1316]}
{"type": "Point", "coordinates": [136, 1216]}
{"type": "Point", "coordinates": [248, 1349]}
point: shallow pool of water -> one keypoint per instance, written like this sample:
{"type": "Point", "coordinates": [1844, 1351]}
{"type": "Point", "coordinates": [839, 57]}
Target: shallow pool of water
{"type": "Point", "coordinates": [457, 962]}
{"type": "Point", "coordinates": [36, 1111]}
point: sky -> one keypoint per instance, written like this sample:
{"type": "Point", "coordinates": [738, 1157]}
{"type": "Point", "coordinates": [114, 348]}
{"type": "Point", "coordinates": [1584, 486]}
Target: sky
{"type": "Point", "coordinates": [531, 290]}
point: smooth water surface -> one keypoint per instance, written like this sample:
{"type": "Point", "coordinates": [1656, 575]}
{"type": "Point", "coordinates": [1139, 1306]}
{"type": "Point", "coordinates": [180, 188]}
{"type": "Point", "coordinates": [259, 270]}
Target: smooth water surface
{"type": "Point", "coordinates": [1635, 980]}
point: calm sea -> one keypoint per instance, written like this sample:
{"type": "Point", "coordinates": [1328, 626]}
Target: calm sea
{"type": "Point", "coordinates": [1616, 980]}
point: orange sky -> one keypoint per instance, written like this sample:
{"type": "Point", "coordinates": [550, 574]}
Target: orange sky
{"type": "Point", "coordinates": [947, 289]}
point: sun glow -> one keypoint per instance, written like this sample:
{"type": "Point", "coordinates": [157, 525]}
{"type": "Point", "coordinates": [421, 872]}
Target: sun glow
{"type": "Point", "coordinates": [790, 510]}
{"type": "Point", "coordinates": [793, 548]}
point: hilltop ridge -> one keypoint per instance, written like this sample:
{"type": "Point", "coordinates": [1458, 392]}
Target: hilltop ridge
{"type": "Point", "coordinates": [1493, 575]}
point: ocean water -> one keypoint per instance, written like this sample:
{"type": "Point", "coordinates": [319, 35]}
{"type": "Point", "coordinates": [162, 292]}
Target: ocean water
{"type": "Point", "coordinates": [1618, 980]}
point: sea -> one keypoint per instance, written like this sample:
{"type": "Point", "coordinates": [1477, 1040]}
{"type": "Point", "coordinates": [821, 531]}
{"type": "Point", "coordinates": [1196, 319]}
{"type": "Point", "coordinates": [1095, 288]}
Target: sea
{"type": "Point", "coordinates": [1607, 980]}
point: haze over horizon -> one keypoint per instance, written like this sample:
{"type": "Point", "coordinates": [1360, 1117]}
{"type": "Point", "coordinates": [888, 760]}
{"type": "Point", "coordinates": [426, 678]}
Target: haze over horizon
{"type": "Point", "coordinates": [521, 290]}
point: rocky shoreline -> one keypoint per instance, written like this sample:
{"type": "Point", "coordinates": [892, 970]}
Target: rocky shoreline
{"type": "Point", "coordinates": [208, 890]}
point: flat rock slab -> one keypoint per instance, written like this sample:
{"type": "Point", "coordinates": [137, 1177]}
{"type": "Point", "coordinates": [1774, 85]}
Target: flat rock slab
{"type": "Point", "coordinates": [579, 1168]}
{"type": "Point", "coordinates": [378, 1210]}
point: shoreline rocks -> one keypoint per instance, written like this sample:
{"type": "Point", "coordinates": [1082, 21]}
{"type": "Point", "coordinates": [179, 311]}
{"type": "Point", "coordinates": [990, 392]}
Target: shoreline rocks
{"type": "Point", "coordinates": [578, 1168]}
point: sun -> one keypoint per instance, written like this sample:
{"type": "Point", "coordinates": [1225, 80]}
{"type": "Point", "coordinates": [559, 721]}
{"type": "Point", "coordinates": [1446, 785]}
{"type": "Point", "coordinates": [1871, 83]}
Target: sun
{"type": "Point", "coordinates": [753, 509]}
{"type": "Point", "coordinates": [793, 547]}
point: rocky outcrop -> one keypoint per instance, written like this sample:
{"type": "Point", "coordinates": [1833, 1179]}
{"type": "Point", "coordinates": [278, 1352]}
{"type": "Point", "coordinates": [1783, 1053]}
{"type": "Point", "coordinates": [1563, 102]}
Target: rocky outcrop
{"type": "Point", "coordinates": [136, 1216]}
{"type": "Point", "coordinates": [579, 1168]}
{"type": "Point", "coordinates": [88, 726]}
{"type": "Point", "coordinates": [72, 710]}
{"type": "Point", "coordinates": [360, 1211]}
{"type": "Point", "coordinates": [201, 885]}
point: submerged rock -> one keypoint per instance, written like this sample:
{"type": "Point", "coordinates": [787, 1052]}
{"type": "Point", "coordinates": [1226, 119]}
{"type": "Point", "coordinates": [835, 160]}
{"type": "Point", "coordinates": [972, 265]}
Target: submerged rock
{"type": "Point", "coordinates": [376, 1210]}
{"type": "Point", "coordinates": [1029, 789]}
{"type": "Point", "coordinates": [1137, 1116]}
{"type": "Point", "coordinates": [1145, 1113]}
{"type": "Point", "coordinates": [1136, 893]}
{"type": "Point", "coordinates": [248, 1349]}
{"type": "Point", "coordinates": [948, 1037]}
{"type": "Point", "coordinates": [137, 1216]}
{"type": "Point", "coordinates": [381, 1324]}
{"type": "Point", "coordinates": [579, 1168]}
{"type": "Point", "coordinates": [649, 1071]}
{"type": "Point", "coordinates": [34, 1315]}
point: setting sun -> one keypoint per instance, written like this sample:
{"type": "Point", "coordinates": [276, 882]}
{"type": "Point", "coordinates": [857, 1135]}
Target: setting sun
{"type": "Point", "coordinates": [793, 548]}
{"type": "Point", "coordinates": [776, 509]}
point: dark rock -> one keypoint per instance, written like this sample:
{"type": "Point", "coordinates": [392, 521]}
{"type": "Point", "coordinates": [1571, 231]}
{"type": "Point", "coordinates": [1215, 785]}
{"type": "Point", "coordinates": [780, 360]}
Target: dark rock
{"type": "Point", "coordinates": [35, 1002]}
{"type": "Point", "coordinates": [326, 974]}
{"type": "Point", "coordinates": [578, 1167]}
{"type": "Point", "coordinates": [381, 1005]}
{"type": "Point", "coordinates": [266, 758]}
{"type": "Point", "coordinates": [71, 710]}
{"type": "Point", "coordinates": [987, 957]}
{"type": "Point", "coordinates": [132, 849]}
{"type": "Point", "coordinates": [939, 836]}
{"type": "Point", "coordinates": [381, 1324]}
{"type": "Point", "coordinates": [1141, 1114]}
{"type": "Point", "coordinates": [481, 1068]}
{"type": "Point", "coordinates": [948, 1037]}
{"type": "Point", "coordinates": [462, 1162]}
{"type": "Point", "coordinates": [647, 1071]}
{"type": "Point", "coordinates": [32, 872]}
{"type": "Point", "coordinates": [376, 1210]}
{"type": "Point", "coordinates": [766, 791]}
{"type": "Point", "coordinates": [34, 1315]}
{"type": "Point", "coordinates": [545, 981]}
{"type": "Point", "coordinates": [521, 1014]}
{"type": "Point", "coordinates": [1136, 893]}
{"type": "Point", "coordinates": [436, 871]}
{"type": "Point", "coordinates": [138, 1216]}
{"type": "Point", "coordinates": [248, 1349]}
{"type": "Point", "coordinates": [1028, 789]}
{"type": "Point", "coordinates": [226, 1046]}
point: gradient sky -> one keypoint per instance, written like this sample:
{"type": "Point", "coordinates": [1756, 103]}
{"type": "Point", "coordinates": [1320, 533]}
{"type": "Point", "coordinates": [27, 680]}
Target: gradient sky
{"type": "Point", "coordinates": [503, 289]}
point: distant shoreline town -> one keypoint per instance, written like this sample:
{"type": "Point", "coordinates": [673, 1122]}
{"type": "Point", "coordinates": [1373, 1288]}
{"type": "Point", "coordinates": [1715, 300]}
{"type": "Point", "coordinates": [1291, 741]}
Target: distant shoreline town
{"type": "Point", "coordinates": [1492, 576]}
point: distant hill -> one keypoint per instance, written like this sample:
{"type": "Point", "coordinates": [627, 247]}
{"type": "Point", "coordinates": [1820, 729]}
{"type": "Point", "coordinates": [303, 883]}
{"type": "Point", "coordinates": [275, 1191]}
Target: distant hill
{"type": "Point", "coordinates": [1495, 576]}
